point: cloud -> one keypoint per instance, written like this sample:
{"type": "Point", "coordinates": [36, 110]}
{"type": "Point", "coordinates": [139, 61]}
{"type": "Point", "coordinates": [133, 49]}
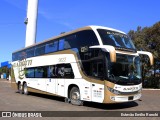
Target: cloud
{"type": "Point", "coordinates": [59, 18]}
{"type": "Point", "coordinates": [66, 24]}
{"type": "Point", "coordinates": [45, 14]}
{"type": "Point", "coordinates": [18, 3]}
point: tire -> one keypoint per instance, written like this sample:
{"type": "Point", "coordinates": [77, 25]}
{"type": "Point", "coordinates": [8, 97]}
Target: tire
{"type": "Point", "coordinates": [25, 89]}
{"type": "Point", "coordinates": [20, 88]}
{"type": "Point", "coordinates": [75, 96]}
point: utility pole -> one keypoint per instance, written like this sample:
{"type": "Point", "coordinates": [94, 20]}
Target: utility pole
{"type": "Point", "coordinates": [31, 22]}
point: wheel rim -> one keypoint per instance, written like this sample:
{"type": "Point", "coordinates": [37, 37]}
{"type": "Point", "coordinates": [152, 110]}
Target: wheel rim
{"type": "Point", "coordinates": [20, 87]}
{"type": "Point", "coordinates": [75, 96]}
{"type": "Point", "coordinates": [25, 88]}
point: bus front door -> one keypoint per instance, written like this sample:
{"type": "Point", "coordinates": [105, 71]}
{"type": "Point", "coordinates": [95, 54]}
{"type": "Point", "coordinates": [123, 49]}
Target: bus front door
{"type": "Point", "coordinates": [97, 84]}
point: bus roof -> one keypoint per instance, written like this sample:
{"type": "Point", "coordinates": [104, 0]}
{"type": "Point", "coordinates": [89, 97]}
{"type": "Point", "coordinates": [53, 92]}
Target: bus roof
{"type": "Point", "coordinates": [107, 28]}
{"type": "Point", "coordinates": [91, 27]}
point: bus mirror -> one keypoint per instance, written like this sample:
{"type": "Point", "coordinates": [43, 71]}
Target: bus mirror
{"type": "Point", "coordinates": [109, 49]}
{"type": "Point", "coordinates": [112, 52]}
{"type": "Point", "coordinates": [149, 55]}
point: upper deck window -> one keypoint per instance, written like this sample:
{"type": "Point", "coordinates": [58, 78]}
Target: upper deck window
{"type": "Point", "coordinates": [51, 47]}
{"type": "Point", "coordinates": [30, 52]}
{"type": "Point", "coordinates": [77, 40]}
{"type": "Point", "coordinates": [115, 39]}
{"type": "Point", "coordinates": [40, 50]}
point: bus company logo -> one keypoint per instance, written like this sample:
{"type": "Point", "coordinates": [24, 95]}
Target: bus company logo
{"type": "Point", "coordinates": [21, 65]}
{"type": "Point", "coordinates": [130, 88]}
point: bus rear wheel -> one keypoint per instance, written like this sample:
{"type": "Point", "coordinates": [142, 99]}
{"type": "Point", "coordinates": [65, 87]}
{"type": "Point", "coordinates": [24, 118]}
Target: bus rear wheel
{"type": "Point", "coordinates": [20, 88]}
{"type": "Point", "coordinates": [75, 96]}
{"type": "Point", "coordinates": [25, 89]}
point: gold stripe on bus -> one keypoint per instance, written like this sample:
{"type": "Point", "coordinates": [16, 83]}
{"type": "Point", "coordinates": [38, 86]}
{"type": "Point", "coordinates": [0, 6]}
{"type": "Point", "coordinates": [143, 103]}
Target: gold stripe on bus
{"type": "Point", "coordinates": [107, 93]}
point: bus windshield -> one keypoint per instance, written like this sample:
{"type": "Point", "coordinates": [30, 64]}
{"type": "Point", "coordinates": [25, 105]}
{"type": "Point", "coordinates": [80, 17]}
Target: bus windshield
{"type": "Point", "coordinates": [115, 39]}
{"type": "Point", "coordinates": [127, 70]}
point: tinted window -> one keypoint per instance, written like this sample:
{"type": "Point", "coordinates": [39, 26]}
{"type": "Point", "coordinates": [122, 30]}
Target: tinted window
{"type": "Point", "coordinates": [29, 73]}
{"type": "Point", "coordinates": [78, 40]}
{"type": "Point", "coordinates": [70, 42]}
{"type": "Point", "coordinates": [97, 69]}
{"type": "Point", "coordinates": [51, 47]}
{"type": "Point", "coordinates": [22, 55]}
{"type": "Point", "coordinates": [61, 71]}
{"type": "Point", "coordinates": [41, 72]}
{"type": "Point", "coordinates": [53, 71]}
{"type": "Point", "coordinates": [40, 50]}
{"type": "Point", "coordinates": [15, 56]}
{"type": "Point", "coordinates": [68, 71]}
{"type": "Point", "coordinates": [37, 72]}
{"type": "Point", "coordinates": [87, 38]}
{"type": "Point", "coordinates": [30, 52]}
{"type": "Point", "coordinates": [61, 44]}
{"type": "Point", "coordinates": [115, 39]}
{"type": "Point", "coordinates": [92, 62]}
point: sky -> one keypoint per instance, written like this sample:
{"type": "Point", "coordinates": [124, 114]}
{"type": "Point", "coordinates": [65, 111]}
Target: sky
{"type": "Point", "coordinates": [56, 16]}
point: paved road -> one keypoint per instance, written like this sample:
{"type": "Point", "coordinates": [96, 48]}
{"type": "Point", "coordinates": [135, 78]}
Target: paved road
{"type": "Point", "coordinates": [10, 100]}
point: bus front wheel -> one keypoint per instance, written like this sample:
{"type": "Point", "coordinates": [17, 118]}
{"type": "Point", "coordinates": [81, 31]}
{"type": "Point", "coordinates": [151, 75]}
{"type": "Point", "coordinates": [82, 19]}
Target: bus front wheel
{"type": "Point", "coordinates": [75, 96]}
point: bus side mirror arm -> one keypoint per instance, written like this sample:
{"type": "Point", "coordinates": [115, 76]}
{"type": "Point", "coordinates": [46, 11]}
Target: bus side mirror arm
{"type": "Point", "coordinates": [109, 49]}
{"type": "Point", "coordinates": [150, 55]}
{"type": "Point", "coordinates": [112, 52]}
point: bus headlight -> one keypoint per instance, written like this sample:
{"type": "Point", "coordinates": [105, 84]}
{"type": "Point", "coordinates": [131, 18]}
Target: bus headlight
{"type": "Point", "coordinates": [140, 90]}
{"type": "Point", "coordinates": [114, 91]}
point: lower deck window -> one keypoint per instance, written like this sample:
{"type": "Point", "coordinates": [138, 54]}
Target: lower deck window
{"type": "Point", "coordinates": [53, 71]}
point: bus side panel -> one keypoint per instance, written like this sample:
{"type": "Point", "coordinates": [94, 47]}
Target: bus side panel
{"type": "Point", "coordinates": [83, 85]}
{"type": "Point", "coordinates": [97, 92]}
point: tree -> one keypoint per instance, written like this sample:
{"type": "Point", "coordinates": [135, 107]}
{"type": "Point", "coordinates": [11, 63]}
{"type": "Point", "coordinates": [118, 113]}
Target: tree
{"type": "Point", "coordinates": [5, 70]}
{"type": "Point", "coordinates": [147, 39]}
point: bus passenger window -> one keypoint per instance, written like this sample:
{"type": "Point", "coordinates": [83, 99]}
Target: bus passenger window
{"type": "Point", "coordinates": [40, 50]}
{"type": "Point", "coordinates": [68, 71]}
{"type": "Point", "coordinates": [41, 72]}
{"type": "Point", "coordinates": [53, 71]}
{"type": "Point", "coordinates": [61, 44]}
{"type": "Point", "coordinates": [29, 73]}
{"type": "Point", "coordinates": [61, 71]}
{"type": "Point", "coordinates": [30, 52]}
{"type": "Point", "coordinates": [51, 47]}
{"type": "Point", "coordinates": [66, 45]}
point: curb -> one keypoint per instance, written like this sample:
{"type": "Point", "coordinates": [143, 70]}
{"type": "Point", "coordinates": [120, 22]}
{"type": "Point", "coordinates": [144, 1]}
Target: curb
{"type": "Point", "coordinates": [150, 89]}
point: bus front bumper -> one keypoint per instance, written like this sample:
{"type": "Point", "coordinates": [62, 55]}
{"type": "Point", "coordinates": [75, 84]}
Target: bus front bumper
{"type": "Point", "coordinates": [125, 98]}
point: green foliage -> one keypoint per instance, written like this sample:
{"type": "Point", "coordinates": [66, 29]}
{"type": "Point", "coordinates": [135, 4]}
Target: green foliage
{"type": "Point", "coordinates": [148, 39]}
{"type": "Point", "coordinates": [5, 70]}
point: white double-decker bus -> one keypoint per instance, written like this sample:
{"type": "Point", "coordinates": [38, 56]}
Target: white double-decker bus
{"type": "Point", "coordinates": [92, 63]}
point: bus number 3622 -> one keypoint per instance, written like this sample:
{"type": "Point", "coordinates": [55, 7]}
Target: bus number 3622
{"type": "Point", "coordinates": [62, 59]}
